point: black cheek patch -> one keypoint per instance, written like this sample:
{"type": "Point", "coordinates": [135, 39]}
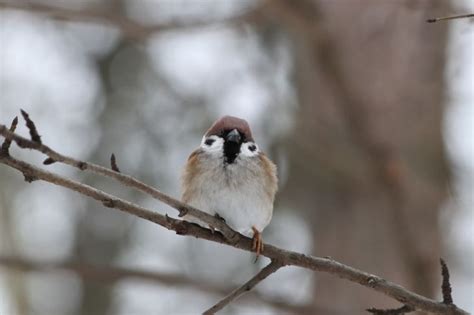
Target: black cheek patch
{"type": "Point", "coordinates": [209, 141]}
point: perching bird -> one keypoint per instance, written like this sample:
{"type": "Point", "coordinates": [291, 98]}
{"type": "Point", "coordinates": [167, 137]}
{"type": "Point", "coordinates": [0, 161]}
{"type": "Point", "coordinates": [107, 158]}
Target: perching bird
{"type": "Point", "coordinates": [230, 177]}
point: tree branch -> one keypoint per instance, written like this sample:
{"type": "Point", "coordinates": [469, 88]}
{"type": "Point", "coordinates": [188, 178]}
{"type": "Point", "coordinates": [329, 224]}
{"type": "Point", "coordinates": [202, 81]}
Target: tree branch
{"type": "Point", "coordinates": [394, 311]}
{"type": "Point", "coordinates": [284, 257]}
{"type": "Point", "coordinates": [272, 267]}
{"type": "Point", "coordinates": [31, 127]}
{"type": "Point", "coordinates": [124, 179]}
{"type": "Point", "coordinates": [452, 17]}
{"type": "Point", "coordinates": [445, 290]}
{"type": "Point", "coordinates": [6, 144]}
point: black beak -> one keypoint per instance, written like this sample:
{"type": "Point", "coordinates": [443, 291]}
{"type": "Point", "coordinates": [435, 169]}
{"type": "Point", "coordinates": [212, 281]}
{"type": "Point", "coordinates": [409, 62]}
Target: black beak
{"type": "Point", "coordinates": [233, 136]}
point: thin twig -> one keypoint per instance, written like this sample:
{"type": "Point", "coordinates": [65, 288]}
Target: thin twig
{"type": "Point", "coordinates": [113, 163]}
{"type": "Point", "coordinates": [124, 179]}
{"type": "Point", "coordinates": [6, 144]}
{"type": "Point", "coordinates": [272, 267]}
{"type": "Point", "coordinates": [31, 126]}
{"type": "Point", "coordinates": [445, 286]}
{"type": "Point", "coordinates": [393, 311]}
{"type": "Point", "coordinates": [451, 17]}
{"type": "Point", "coordinates": [330, 266]}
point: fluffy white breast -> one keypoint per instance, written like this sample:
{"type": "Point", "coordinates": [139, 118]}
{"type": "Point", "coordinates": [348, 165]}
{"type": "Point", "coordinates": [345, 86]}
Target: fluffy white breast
{"type": "Point", "coordinates": [235, 191]}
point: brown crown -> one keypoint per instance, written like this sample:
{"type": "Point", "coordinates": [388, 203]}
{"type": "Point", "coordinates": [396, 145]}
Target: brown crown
{"type": "Point", "coordinates": [227, 123]}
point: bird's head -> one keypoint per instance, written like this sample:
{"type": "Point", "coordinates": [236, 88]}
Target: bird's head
{"type": "Point", "coordinates": [229, 137]}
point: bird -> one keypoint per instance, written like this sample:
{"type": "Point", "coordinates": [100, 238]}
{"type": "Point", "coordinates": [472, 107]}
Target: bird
{"type": "Point", "coordinates": [229, 177]}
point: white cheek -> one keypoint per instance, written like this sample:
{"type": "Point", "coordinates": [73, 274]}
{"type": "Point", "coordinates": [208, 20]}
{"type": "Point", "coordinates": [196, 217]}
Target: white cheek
{"type": "Point", "coordinates": [215, 147]}
{"type": "Point", "coordinates": [245, 151]}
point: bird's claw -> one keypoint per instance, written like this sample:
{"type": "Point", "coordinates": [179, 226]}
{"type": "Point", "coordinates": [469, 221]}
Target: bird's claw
{"type": "Point", "coordinates": [257, 242]}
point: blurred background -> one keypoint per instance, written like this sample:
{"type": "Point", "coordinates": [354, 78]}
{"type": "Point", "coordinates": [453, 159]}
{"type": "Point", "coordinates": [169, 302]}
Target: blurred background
{"type": "Point", "coordinates": [366, 109]}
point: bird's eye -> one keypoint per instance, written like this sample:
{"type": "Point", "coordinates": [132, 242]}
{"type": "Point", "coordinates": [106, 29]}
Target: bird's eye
{"type": "Point", "coordinates": [252, 147]}
{"type": "Point", "coordinates": [209, 141]}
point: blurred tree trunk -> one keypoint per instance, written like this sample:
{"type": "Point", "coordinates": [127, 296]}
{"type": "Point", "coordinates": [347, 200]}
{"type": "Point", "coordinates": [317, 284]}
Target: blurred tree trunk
{"type": "Point", "coordinates": [102, 235]}
{"type": "Point", "coordinates": [367, 163]}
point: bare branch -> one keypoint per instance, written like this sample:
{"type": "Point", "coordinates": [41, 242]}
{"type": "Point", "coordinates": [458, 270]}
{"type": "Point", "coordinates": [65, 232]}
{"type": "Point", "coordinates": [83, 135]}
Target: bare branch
{"type": "Point", "coordinates": [31, 126]}
{"type": "Point", "coordinates": [30, 171]}
{"type": "Point", "coordinates": [272, 267]}
{"type": "Point", "coordinates": [284, 257]}
{"type": "Point", "coordinates": [445, 288]}
{"type": "Point", "coordinates": [394, 311]}
{"type": "Point", "coordinates": [452, 17]}
{"type": "Point", "coordinates": [124, 179]}
{"type": "Point", "coordinates": [6, 144]}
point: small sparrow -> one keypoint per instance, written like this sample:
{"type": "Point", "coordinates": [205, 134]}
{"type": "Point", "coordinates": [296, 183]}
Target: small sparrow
{"type": "Point", "coordinates": [228, 176]}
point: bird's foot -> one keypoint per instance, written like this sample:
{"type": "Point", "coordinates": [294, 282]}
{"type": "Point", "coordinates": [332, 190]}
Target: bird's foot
{"type": "Point", "coordinates": [257, 242]}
